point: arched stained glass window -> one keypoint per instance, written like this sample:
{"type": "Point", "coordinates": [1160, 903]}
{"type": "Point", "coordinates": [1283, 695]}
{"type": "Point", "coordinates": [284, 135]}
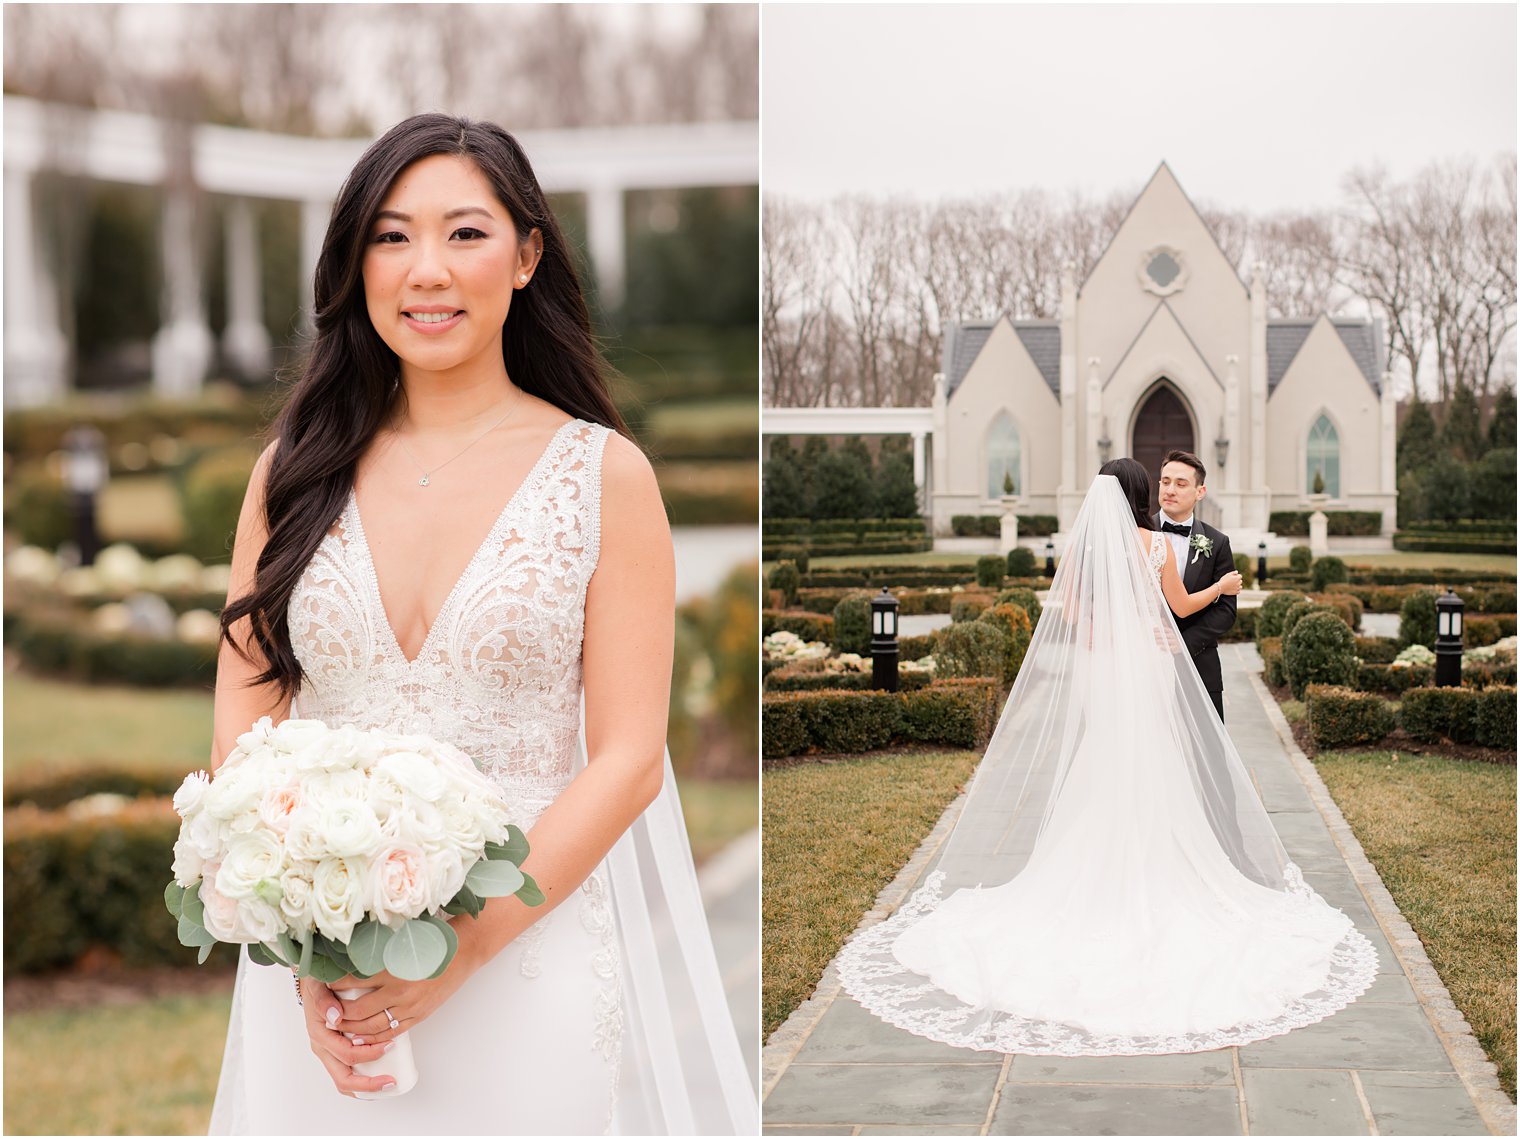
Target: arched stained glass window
{"type": "Point", "coordinates": [1324, 457]}
{"type": "Point", "coordinates": [1002, 456]}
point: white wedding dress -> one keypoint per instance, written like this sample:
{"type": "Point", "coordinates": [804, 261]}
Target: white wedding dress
{"type": "Point", "coordinates": [608, 1014]}
{"type": "Point", "coordinates": [1121, 888]}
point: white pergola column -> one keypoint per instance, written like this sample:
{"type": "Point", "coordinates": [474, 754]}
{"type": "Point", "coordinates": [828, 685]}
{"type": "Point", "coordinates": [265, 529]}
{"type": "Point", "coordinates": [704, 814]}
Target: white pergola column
{"type": "Point", "coordinates": [314, 218]}
{"type": "Point", "coordinates": [919, 469]}
{"type": "Point", "coordinates": [246, 340]}
{"type": "Point", "coordinates": [36, 357]}
{"type": "Point", "coordinates": [605, 241]}
{"type": "Point", "coordinates": [183, 347]}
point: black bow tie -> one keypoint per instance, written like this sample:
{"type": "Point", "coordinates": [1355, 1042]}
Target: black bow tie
{"type": "Point", "coordinates": [1176, 528]}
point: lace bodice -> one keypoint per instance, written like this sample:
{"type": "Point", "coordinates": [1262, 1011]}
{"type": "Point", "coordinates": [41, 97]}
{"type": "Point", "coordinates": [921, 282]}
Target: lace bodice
{"type": "Point", "coordinates": [499, 674]}
{"type": "Point", "coordinates": [1157, 557]}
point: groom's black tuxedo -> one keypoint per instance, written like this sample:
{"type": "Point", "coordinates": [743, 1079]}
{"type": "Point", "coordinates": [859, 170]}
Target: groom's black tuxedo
{"type": "Point", "coordinates": [1201, 631]}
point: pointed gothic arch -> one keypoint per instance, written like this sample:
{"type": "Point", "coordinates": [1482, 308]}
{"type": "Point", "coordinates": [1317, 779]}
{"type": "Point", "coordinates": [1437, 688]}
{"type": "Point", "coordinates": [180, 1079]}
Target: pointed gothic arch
{"type": "Point", "coordinates": [1002, 451]}
{"type": "Point", "coordinates": [1163, 421]}
{"type": "Point", "coordinates": [1322, 453]}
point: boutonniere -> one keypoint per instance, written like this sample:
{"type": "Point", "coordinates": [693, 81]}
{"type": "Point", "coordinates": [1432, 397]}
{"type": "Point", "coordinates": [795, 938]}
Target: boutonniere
{"type": "Point", "coordinates": [1200, 544]}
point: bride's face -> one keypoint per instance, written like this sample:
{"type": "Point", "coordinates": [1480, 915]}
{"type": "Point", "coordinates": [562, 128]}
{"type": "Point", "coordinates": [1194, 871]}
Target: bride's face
{"type": "Point", "coordinates": [442, 262]}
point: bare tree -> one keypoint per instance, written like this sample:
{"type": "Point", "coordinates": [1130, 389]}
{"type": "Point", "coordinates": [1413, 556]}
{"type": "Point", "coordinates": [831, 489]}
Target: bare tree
{"type": "Point", "coordinates": [1379, 263]}
{"type": "Point", "coordinates": [1302, 257]}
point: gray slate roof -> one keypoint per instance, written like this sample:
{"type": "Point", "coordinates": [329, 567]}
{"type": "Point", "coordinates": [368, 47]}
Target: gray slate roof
{"type": "Point", "coordinates": [1362, 338]}
{"type": "Point", "coordinates": [1042, 339]}
{"type": "Point", "coordinates": [964, 343]}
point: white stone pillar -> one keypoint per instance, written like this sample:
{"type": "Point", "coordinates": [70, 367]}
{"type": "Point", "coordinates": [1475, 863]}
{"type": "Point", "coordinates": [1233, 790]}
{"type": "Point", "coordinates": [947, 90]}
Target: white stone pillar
{"type": "Point", "coordinates": [606, 243]}
{"type": "Point", "coordinates": [1319, 526]}
{"type": "Point", "coordinates": [36, 357]}
{"type": "Point", "coordinates": [1069, 493]}
{"type": "Point", "coordinates": [1008, 525]}
{"type": "Point", "coordinates": [246, 340]}
{"type": "Point", "coordinates": [183, 347]}
{"type": "Point", "coordinates": [1259, 494]}
{"type": "Point", "coordinates": [314, 219]}
{"type": "Point", "coordinates": [1094, 409]}
{"type": "Point", "coordinates": [918, 466]}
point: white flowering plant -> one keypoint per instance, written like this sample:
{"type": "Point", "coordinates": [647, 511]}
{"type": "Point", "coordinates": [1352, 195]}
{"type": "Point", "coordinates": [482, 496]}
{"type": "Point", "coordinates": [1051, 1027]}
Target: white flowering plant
{"type": "Point", "coordinates": [340, 852]}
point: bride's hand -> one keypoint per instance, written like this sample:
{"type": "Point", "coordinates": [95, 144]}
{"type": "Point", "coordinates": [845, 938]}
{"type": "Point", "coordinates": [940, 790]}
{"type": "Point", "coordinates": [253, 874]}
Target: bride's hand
{"type": "Point", "coordinates": [410, 1002]}
{"type": "Point", "coordinates": [1231, 583]}
{"type": "Point", "coordinates": [337, 1052]}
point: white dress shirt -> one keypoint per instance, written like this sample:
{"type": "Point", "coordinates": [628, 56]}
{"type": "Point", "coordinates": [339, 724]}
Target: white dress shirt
{"type": "Point", "coordinates": [1179, 542]}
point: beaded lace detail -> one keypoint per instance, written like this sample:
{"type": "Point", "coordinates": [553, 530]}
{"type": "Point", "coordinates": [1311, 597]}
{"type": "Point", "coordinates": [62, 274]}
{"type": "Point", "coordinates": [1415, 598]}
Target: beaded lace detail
{"type": "Point", "coordinates": [499, 674]}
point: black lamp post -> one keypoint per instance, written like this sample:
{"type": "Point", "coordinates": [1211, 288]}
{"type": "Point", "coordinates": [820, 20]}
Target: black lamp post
{"type": "Point", "coordinates": [1050, 558]}
{"type": "Point", "coordinates": [85, 472]}
{"type": "Point", "coordinates": [1261, 563]}
{"type": "Point", "coordinates": [1448, 640]}
{"type": "Point", "coordinates": [884, 641]}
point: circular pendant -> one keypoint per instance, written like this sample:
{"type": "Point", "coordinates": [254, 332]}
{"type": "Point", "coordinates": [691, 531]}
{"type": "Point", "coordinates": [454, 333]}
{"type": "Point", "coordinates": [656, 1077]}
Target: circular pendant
{"type": "Point", "coordinates": [422, 481]}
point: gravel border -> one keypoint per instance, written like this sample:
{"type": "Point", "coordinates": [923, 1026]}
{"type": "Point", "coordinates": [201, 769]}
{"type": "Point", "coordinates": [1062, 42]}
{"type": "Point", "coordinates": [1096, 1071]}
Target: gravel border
{"type": "Point", "coordinates": [1478, 1075]}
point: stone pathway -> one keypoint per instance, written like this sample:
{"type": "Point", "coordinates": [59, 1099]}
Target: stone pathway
{"type": "Point", "coordinates": [1400, 1061]}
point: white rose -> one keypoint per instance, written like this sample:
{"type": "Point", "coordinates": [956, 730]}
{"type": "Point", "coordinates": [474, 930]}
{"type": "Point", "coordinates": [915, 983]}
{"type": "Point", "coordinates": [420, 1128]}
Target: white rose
{"type": "Point", "coordinates": [398, 885]}
{"type": "Point", "coordinates": [349, 830]}
{"type": "Point", "coordinates": [323, 789]}
{"type": "Point", "coordinates": [304, 840]}
{"type": "Point", "coordinates": [203, 834]}
{"type": "Point", "coordinates": [348, 747]}
{"type": "Point", "coordinates": [258, 920]}
{"type": "Point", "coordinates": [415, 774]}
{"type": "Point", "coordinates": [294, 736]}
{"type": "Point", "coordinates": [250, 859]}
{"type": "Point", "coordinates": [337, 900]}
{"type": "Point", "coordinates": [188, 863]}
{"type": "Point", "coordinates": [414, 821]}
{"type": "Point", "coordinates": [296, 904]}
{"type": "Point", "coordinates": [462, 830]}
{"type": "Point", "coordinates": [192, 793]}
{"type": "Point", "coordinates": [221, 912]}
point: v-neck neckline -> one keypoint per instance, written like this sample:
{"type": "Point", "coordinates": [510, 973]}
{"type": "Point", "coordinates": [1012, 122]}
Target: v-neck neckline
{"type": "Point", "coordinates": [485, 543]}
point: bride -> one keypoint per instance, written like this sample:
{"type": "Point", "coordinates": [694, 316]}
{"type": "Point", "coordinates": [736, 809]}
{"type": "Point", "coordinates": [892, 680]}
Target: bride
{"type": "Point", "coordinates": [1118, 888]}
{"type": "Point", "coordinates": [452, 535]}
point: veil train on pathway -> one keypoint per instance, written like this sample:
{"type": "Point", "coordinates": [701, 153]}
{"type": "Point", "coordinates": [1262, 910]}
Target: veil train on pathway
{"type": "Point", "coordinates": [1114, 885]}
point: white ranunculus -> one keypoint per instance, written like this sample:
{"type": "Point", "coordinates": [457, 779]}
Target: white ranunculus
{"type": "Point", "coordinates": [234, 792]}
{"type": "Point", "coordinates": [249, 858]}
{"type": "Point", "coordinates": [416, 774]}
{"type": "Point", "coordinates": [348, 747]}
{"type": "Point", "coordinates": [398, 884]}
{"type": "Point", "coordinates": [323, 789]}
{"type": "Point", "coordinates": [258, 920]}
{"type": "Point", "coordinates": [187, 863]}
{"type": "Point", "coordinates": [350, 830]}
{"type": "Point", "coordinates": [191, 795]}
{"type": "Point", "coordinates": [203, 834]}
{"type": "Point", "coordinates": [296, 904]}
{"type": "Point", "coordinates": [304, 840]}
{"type": "Point", "coordinates": [302, 739]}
{"type": "Point", "coordinates": [337, 899]}
{"type": "Point", "coordinates": [462, 830]}
{"type": "Point", "coordinates": [257, 736]}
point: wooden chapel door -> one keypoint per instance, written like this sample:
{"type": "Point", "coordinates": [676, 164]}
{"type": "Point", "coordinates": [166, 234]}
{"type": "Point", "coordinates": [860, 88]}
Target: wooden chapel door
{"type": "Point", "coordinates": [1163, 425]}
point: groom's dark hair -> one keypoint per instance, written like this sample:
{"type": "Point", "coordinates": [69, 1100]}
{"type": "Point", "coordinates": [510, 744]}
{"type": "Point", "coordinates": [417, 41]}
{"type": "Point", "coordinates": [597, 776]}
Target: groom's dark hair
{"type": "Point", "coordinates": [1186, 457]}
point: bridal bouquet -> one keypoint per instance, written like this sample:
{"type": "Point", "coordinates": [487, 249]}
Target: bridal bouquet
{"type": "Point", "coordinates": [337, 852]}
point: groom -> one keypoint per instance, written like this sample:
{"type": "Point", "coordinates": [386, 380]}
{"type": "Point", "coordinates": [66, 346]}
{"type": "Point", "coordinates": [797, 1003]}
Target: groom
{"type": "Point", "coordinates": [1203, 557]}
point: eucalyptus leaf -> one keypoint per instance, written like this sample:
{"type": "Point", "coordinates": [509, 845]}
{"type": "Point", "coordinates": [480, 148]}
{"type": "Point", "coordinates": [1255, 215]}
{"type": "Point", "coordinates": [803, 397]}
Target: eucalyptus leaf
{"type": "Point", "coordinates": [200, 958]}
{"type": "Point", "coordinates": [304, 969]}
{"type": "Point", "coordinates": [417, 948]}
{"type": "Point", "coordinates": [192, 907]}
{"type": "Point", "coordinates": [325, 969]}
{"type": "Point", "coordinates": [193, 934]}
{"type": "Point", "coordinates": [366, 946]}
{"type": "Point", "coordinates": [448, 935]}
{"type": "Point", "coordinates": [494, 879]}
{"type": "Point", "coordinates": [174, 898]}
{"type": "Point", "coordinates": [289, 951]}
{"type": "Point", "coordinates": [528, 893]}
{"type": "Point", "coordinates": [260, 954]}
{"type": "Point", "coordinates": [465, 902]}
{"type": "Point", "coordinates": [335, 950]}
{"type": "Point", "coordinates": [516, 845]}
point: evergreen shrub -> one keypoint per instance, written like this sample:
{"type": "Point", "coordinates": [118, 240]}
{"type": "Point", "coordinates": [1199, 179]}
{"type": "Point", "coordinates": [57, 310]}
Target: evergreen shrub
{"type": "Point", "coordinates": [969, 606]}
{"type": "Point", "coordinates": [1300, 558]}
{"type": "Point", "coordinates": [808, 626]}
{"type": "Point", "coordinates": [1379, 677]}
{"type": "Point", "coordinates": [971, 648]}
{"type": "Point", "coordinates": [39, 509]}
{"type": "Point", "coordinates": [1320, 649]}
{"type": "Point", "coordinates": [1344, 717]}
{"type": "Point", "coordinates": [1021, 562]}
{"type": "Point", "coordinates": [1024, 599]}
{"type": "Point", "coordinates": [785, 578]}
{"type": "Point", "coordinates": [210, 498]}
{"type": "Point", "coordinates": [1326, 572]}
{"type": "Point", "coordinates": [1432, 714]}
{"type": "Point", "coordinates": [915, 648]}
{"type": "Point", "coordinates": [990, 571]}
{"type": "Point", "coordinates": [1269, 615]}
{"type": "Point", "coordinates": [1417, 619]}
{"type": "Point", "coordinates": [956, 713]}
{"type": "Point", "coordinates": [1272, 661]}
{"type": "Point", "coordinates": [1014, 620]}
{"type": "Point", "coordinates": [852, 624]}
{"type": "Point", "coordinates": [1298, 612]}
{"type": "Point", "coordinates": [1377, 650]}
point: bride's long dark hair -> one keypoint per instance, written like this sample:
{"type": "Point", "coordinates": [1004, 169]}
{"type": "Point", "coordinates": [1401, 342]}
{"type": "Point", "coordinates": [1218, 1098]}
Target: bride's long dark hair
{"type": "Point", "coordinates": [1136, 485]}
{"type": "Point", "coordinates": [347, 388]}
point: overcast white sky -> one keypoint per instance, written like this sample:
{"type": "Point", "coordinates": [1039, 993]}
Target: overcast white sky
{"type": "Point", "coordinates": [1255, 106]}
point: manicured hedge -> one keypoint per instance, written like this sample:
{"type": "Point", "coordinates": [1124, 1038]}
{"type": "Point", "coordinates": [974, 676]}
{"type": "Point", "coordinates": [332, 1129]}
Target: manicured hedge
{"type": "Point", "coordinates": [1342, 717]}
{"type": "Point", "coordinates": [47, 789]}
{"type": "Point", "coordinates": [953, 713]}
{"type": "Point", "coordinates": [1244, 628]}
{"type": "Point", "coordinates": [1377, 650]}
{"type": "Point", "coordinates": [971, 648]}
{"type": "Point", "coordinates": [1269, 615]}
{"type": "Point", "coordinates": [1272, 661]}
{"type": "Point", "coordinates": [991, 525]}
{"type": "Point", "coordinates": [1386, 678]}
{"type": "Point", "coordinates": [1338, 523]}
{"type": "Point", "coordinates": [77, 882]}
{"type": "Point", "coordinates": [1463, 715]}
{"type": "Point", "coordinates": [915, 648]}
{"type": "Point", "coordinates": [1455, 543]}
{"type": "Point", "coordinates": [794, 679]}
{"type": "Point", "coordinates": [1319, 650]}
{"type": "Point", "coordinates": [1014, 621]}
{"type": "Point", "coordinates": [969, 606]}
{"type": "Point", "coordinates": [70, 648]}
{"type": "Point", "coordinates": [808, 626]}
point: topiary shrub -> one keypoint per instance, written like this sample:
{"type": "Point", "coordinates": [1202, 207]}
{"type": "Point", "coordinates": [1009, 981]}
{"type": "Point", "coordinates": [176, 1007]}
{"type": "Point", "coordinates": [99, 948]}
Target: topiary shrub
{"type": "Point", "coordinates": [1025, 599]}
{"type": "Point", "coordinates": [1377, 650]}
{"type": "Point", "coordinates": [1243, 566]}
{"type": "Point", "coordinates": [1298, 612]}
{"type": "Point", "coordinates": [1271, 659]}
{"type": "Point", "coordinates": [1433, 714]}
{"type": "Point", "coordinates": [1269, 615]}
{"type": "Point", "coordinates": [796, 554]}
{"type": "Point", "coordinates": [1343, 717]}
{"type": "Point", "coordinates": [989, 571]}
{"type": "Point", "coordinates": [805, 625]}
{"type": "Point", "coordinates": [969, 607]}
{"type": "Point", "coordinates": [782, 731]}
{"type": "Point", "coordinates": [1417, 619]}
{"type": "Point", "coordinates": [210, 499]}
{"type": "Point", "coordinates": [1494, 717]}
{"type": "Point", "coordinates": [1021, 562]}
{"type": "Point", "coordinates": [1300, 558]}
{"type": "Point", "coordinates": [1319, 650]}
{"type": "Point", "coordinates": [852, 625]}
{"type": "Point", "coordinates": [971, 648]}
{"type": "Point", "coordinates": [1499, 599]}
{"type": "Point", "coordinates": [786, 578]}
{"type": "Point", "coordinates": [1391, 679]}
{"type": "Point", "coordinates": [1326, 572]}
{"type": "Point", "coordinates": [957, 713]}
{"type": "Point", "coordinates": [1015, 621]}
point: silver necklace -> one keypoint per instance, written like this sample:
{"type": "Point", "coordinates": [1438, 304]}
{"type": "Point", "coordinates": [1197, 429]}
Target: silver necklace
{"type": "Point", "coordinates": [428, 474]}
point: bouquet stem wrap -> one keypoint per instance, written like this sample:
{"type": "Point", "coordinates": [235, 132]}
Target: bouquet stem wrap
{"type": "Point", "coordinates": [398, 1063]}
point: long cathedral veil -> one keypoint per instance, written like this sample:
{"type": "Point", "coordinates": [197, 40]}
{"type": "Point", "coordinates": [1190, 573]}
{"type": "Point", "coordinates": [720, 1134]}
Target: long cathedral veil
{"type": "Point", "coordinates": [1111, 802]}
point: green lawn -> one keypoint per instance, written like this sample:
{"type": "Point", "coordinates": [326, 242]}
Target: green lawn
{"type": "Point", "coordinates": [141, 506]}
{"type": "Point", "coordinates": [1441, 833]}
{"type": "Point", "coordinates": [54, 723]}
{"type": "Point", "coordinates": [697, 416]}
{"type": "Point", "coordinates": [834, 835]}
{"type": "Point", "coordinates": [144, 1068]}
